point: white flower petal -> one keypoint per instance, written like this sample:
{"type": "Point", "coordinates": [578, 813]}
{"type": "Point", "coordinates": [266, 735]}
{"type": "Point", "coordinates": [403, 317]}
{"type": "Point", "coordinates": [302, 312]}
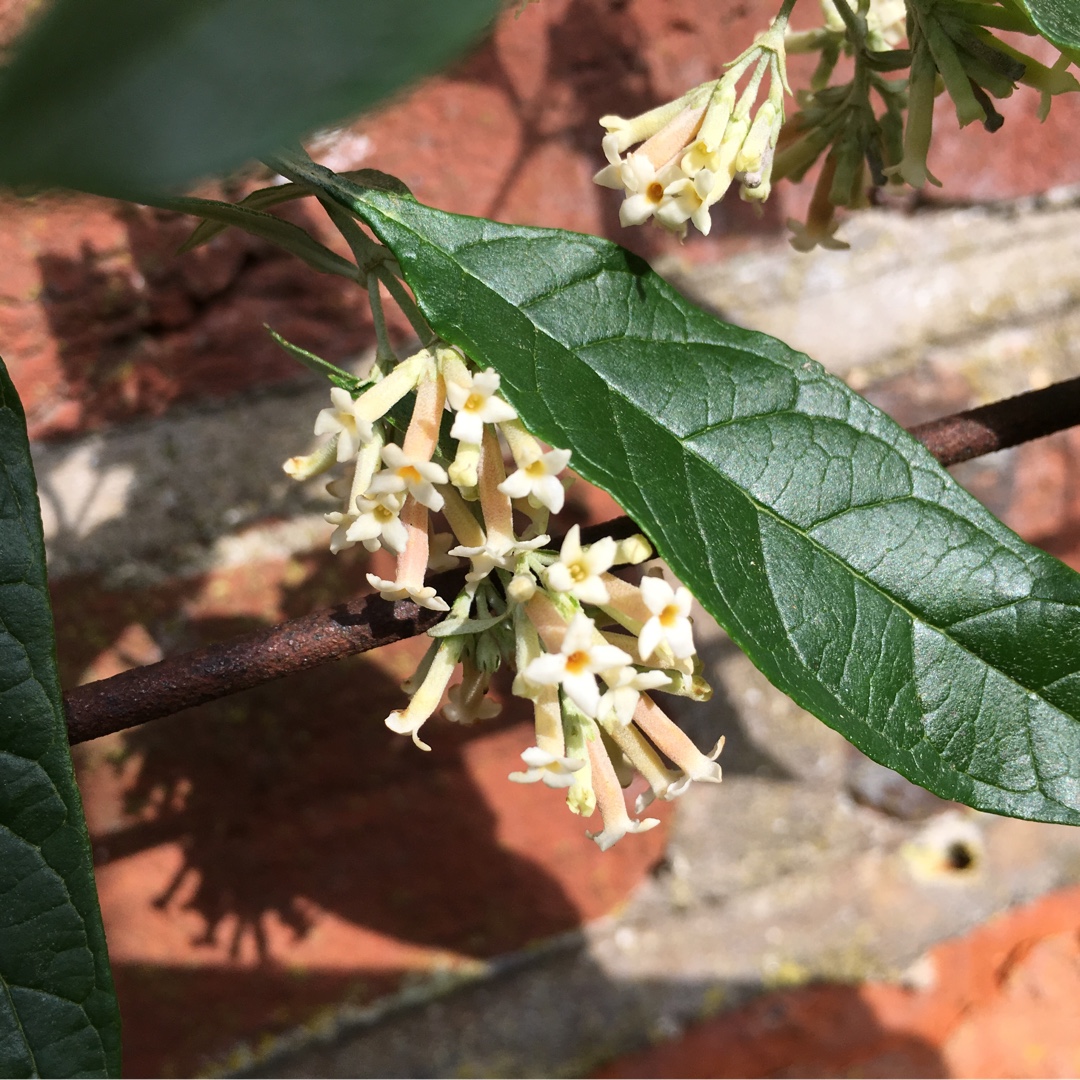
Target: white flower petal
{"type": "Point", "coordinates": [546, 670]}
{"type": "Point", "coordinates": [636, 210]}
{"type": "Point", "coordinates": [590, 591]}
{"type": "Point", "coordinates": [468, 427]}
{"type": "Point", "coordinates": [680, 639]}
{"type": "Point", "coordinates": [583, 692]}
{"type": "Point", "coordinates": [656, 593]}
{"type": "Point", "coordinates": [651, 635]}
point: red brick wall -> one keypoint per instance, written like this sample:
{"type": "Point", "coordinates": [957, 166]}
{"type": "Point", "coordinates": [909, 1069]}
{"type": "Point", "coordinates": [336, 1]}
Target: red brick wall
{"type": "Point", "coordinates": [101, 322]}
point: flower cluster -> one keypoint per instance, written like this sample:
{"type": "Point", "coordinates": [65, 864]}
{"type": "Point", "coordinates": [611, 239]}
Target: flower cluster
{"type": "Point", "coordinates": [690, 151]}
{"type": "Point", "coordinates": [693, 149]}
{"type": "Point", "coordinates": [586, 646]}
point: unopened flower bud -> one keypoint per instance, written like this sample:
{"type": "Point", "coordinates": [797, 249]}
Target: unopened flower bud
{"type": "Point", "coordinates": [633, 550]}
{"type": "Point", "coordinates": [464, 470]}
{"type": "Point", "coordinates": [303, 468]}
{"type": "Point", "coordinates": [758, 140]}
{"type": "Point", "coordinates": [522, 588]}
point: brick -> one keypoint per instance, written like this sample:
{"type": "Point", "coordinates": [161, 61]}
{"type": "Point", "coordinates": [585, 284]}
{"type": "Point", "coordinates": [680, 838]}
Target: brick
{"type": "Point", "coordinates": [996, 1002]}
{"type": "Point", "coordinates": [286, 831]}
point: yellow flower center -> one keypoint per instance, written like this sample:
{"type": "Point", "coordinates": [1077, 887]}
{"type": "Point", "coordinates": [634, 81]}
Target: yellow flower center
{"type": "Point", "coordinates": [536, 469]}
{"type": "Point", "coordinates": [474, 403]}
{"type": "Point", "coordinates": [577, 662]}
{"type": "Point", "coordinates": [578, 571]}
{"type": "Point", "coordinates": [669, 616]}
{"type": "Point", "coordinates": [655, 191]}
{"type": "Point", "coordinates": [410, 474]}
{"type": "Point", "coordinates": [383, 513]}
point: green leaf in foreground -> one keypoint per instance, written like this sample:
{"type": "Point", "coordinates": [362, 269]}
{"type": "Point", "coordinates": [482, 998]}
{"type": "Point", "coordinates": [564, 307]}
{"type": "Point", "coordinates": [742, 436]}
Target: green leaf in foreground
{"type": "Point", "coordinates": [835, 550]}
{"type": "Point", "coordinates": [58, 1014]}
{"type": "Point", "coordinates": [116, 96]}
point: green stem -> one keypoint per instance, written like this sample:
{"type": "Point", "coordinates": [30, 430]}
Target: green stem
{"type": "Point", "coordinates": [408, 306]}
{"type": "Point", "coordinates": [367, 252]}
{"type": "Point", "coordinates": [856, 27]}
{"type": "Point", "coordinates": [784, 13]}
{"type": "Point", "coordinates": [383, 349]}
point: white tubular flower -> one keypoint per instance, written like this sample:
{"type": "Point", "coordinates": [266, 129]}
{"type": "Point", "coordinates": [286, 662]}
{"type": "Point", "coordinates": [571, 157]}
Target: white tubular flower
{"type": "Point", "coordinates": [609, 798]}
{"type": "Point", "coordinates": [577, 664]}
{"type": "Point", "coordinates": [422, 595]}
{"type": "Point", "coordinates": [385, 394]}
{"type": "Point", "coordinates": [339, 538]}
{"type": "Point", "coordinates": [661, 659]}
{"type": "Point", "coordinates": [555, 772]}
{"type": "Point", "coordinates": [539, 481]}
{"type": "Point", "coordinates": [426, 700]}
{"type": "Point", "coordinates": [476, 404]}
{"type": "Point", "coordinates": [625, 685]}
{"type": "Point", "coordinates": [463, 471]}
{"type": "Point", "coordinates": [703, 152]}
{"type": "Point", "coordinates": [526, 649]}
{"type": "Point", "coordinates": [404, 473]}
{"type": "Point", "coordinates": [645, 188]}
{"type": "Point", "coordinates": [439, 557]}
{"type": "Point", "coordinates": [669, 623]}
{"type": "Point", "coordinates": [307, 466]}
{"type": "Point", "coordinates": [687, 159]}
{"type": "Point", "coordinates": [622, 133]}
{"type": "Point", "coordinates": [500, 547]}
{"type": "Point", "coordinates": [642, 756]}
{"type": "Point", "coordinates": [578, 570]}
{"type": "Point", "coordinates": [687, 201]}
{"type": "Point", "coordinates": [500, 554]}
{"type": "Point", "coordinates": [755, 153]}
{"type": "Point", "coordinates": [468, 699]}
{"type": "Point", "coordinates": [674, 742]}
{"type": "Point", "coordinates": [341, 419]}
{"type": "Point", "coordinates": [378, 524]}
{"type": "Point", "coordinates": [411, 563]}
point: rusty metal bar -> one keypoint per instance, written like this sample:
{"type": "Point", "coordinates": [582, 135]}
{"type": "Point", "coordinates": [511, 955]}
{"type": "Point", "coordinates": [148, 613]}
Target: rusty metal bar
{"type": "Point", "coordinates": [1002, 424]}
{"type": "Point", "coordinates": [192, 678]}
{"type": "Point", "coordinates": [179, 682]}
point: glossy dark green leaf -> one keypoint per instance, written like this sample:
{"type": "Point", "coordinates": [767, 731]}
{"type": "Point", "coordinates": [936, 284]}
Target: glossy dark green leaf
{"type": "Point", "coordinates": [116, 96]}
{"type": "Point", "coordinates": [843, 559]}
{"type": "Point", "coordinates": [257, 222]}
{"type": "Point", "coordinates": [1057, 20]}
{"type": "Point", "coordinates": [58, 1014]}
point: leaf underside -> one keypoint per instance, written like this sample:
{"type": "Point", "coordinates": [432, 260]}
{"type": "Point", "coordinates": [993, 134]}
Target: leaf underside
{"type": "Point", "coordinates": [58, 1013]}
{"type": "Point", "coordinates": [851, 568]}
